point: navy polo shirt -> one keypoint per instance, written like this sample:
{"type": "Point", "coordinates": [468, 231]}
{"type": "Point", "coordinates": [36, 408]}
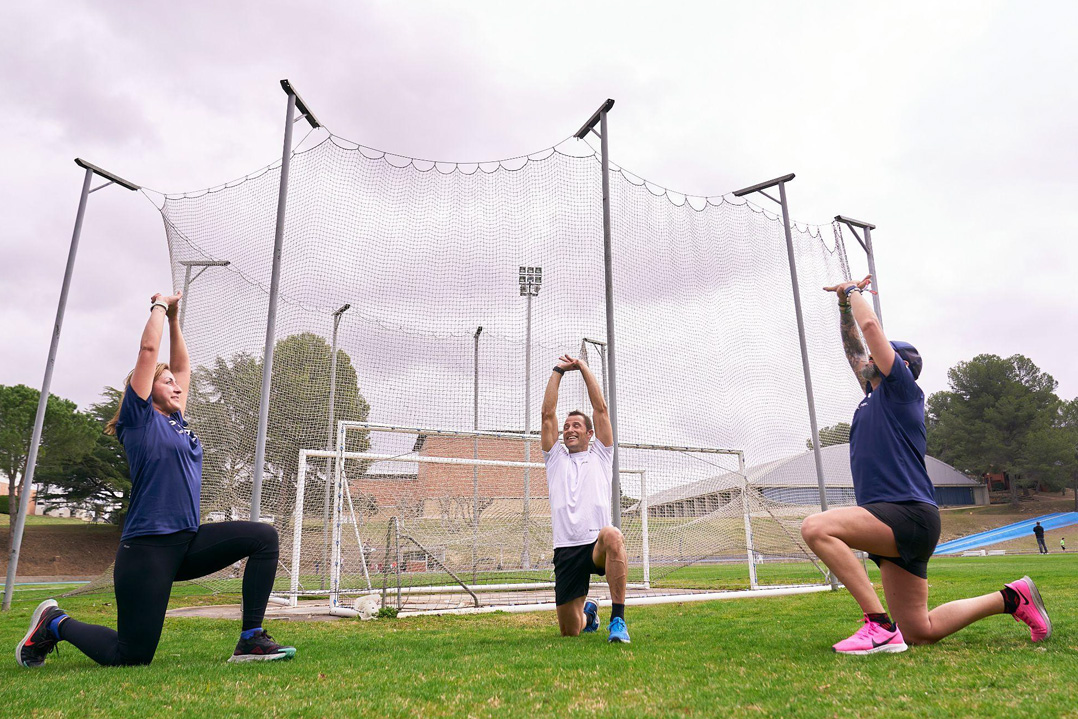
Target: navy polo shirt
{"type": "Point", "coordinates": [166, 468]}
{"type": "Point", "coordinates": [888, 442]}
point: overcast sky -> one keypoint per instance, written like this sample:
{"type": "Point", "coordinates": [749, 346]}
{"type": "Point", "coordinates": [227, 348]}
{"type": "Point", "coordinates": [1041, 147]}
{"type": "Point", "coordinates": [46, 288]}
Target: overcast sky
{"type": "Point", "coordinates": [950, 126]}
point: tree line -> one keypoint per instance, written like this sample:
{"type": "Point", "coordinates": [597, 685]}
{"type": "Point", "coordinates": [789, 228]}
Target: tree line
{"type": "Point", "coordinates": [1000, 415]}
{"type": "Point", "coordinates": [1003, 416]}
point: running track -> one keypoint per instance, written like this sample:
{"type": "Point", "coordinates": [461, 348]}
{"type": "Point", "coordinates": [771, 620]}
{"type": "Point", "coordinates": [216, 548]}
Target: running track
{"type": "Point", "coordinates": [1007, 533]}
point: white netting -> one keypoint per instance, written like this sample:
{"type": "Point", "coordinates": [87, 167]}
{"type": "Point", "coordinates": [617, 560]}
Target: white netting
{"type": "Point", "coordinates": [425, 253]}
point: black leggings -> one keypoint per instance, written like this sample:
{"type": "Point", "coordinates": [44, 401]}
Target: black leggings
{"type": "Point", "coordinates": [144, 572]}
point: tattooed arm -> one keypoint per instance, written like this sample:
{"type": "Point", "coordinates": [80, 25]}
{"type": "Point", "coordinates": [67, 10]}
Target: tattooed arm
{"type": "Point", "coordinates": [850, 328]}
{"type": "Point", "coordinates": [851, 341]}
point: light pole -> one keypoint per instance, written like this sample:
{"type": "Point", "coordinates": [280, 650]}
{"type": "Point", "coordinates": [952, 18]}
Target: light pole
{"type": "Point", "coordinates": [531, 279]}
{"type": "Point", "coordinates": [188, 279]}
{"type": "Point", "coordinates": [475, 455]}
{"type": "Point", "coordinates": [329, 441]}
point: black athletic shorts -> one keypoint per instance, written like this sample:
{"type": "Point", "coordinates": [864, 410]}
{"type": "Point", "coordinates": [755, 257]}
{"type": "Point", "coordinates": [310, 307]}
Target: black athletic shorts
{"type": "Point", "coordinates": [917, 530]}
{"type": "Point", "coordinates": [573, 567]}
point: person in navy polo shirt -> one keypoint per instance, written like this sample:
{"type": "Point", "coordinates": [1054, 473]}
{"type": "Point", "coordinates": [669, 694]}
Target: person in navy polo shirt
{"type": "Point", "coordinates": [896, 520]}
{"type": "Point", "coordinates": [162, 540]}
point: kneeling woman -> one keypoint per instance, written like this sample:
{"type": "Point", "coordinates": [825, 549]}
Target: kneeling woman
{"type": "Point", "coordinates": [162, 541]}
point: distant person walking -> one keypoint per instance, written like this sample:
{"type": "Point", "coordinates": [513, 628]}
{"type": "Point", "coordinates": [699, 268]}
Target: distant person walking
{"type": "Point", "coordinates": [163, 541]}
{"type": "Point", "coordinates": [1038, 531]}
{"type": "Point", "coordinates": [1063, 544]}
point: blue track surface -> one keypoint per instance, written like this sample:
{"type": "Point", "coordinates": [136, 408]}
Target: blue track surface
{"type": "Point", "coordinates": [1007, 533]}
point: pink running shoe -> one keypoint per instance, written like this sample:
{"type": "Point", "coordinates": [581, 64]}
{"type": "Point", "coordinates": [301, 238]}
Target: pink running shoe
{"type": "Point", "coordinates": [872, 639]}
{"type": "Point", "coordinates": [1031, 609]}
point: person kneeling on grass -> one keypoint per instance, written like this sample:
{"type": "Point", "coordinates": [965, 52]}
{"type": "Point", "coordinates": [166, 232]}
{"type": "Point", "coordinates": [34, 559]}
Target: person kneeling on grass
{"type": "Point", "coordinates": [896, 521]}
{"type": "Point", "coordinates": [579, 481]}
{"type": "Point", "coordinates": [162, 541]}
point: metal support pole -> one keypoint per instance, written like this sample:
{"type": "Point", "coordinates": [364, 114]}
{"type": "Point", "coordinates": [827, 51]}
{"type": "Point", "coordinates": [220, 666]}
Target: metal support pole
{"type": "Point", "coordinates": [43, 400]}
{"type": "Point", "coordinates": [804, 347]}
{"type": "Point", "coordinates": [271, 319]}
{"type": "Point", "coordinates": [866, 244]}
{"type": "Point", "coordinates": [781, 182]}
{"type": "Point", "coordinates": [599, 117]}
{"type": "Point", "coordinates": [526, 560]}
{"type": "Point", "coordinates": [188, 280]}
{"type": "Point", "coordinates": [475, 455]}
{"type": "Point", "coordinates": [26, 488]}
{"type": "Point", "coordinates": [329, 441]}
{"type": "Point", "coordinates": [875, 277]}
{"type": "Point", "coordinates": [608, 267]}
{"type": "Point", "coordinates": [186, 285]}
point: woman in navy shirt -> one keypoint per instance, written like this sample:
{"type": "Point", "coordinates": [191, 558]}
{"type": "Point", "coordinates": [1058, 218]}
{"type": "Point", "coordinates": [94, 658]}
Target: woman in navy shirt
{"type": "Point", "coordinates": [162, 541]}
{"type": "Point", "coordinates": [896, 520]}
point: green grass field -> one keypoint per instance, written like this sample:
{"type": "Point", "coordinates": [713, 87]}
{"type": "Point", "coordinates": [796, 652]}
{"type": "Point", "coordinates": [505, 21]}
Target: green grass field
{"type": "Point", "coordinates": [763, 657]}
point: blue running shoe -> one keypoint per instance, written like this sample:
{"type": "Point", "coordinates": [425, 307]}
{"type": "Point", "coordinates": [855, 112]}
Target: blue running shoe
{"type": "Point", "coordinates": [591, 611]}
{"type": "Point", "coordinates": [618, 631]}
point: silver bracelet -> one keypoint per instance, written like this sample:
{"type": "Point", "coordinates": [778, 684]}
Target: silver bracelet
{"type": "Point", "coordinates": [160, 304]}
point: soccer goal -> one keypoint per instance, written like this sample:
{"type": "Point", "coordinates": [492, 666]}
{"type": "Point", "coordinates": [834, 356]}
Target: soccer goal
{"type": "Point", "coordinates": [442, 520]}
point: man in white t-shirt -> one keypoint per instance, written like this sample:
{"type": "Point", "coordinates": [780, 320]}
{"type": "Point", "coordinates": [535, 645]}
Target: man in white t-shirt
{"type": "Point", "coordinates": [579, 480]}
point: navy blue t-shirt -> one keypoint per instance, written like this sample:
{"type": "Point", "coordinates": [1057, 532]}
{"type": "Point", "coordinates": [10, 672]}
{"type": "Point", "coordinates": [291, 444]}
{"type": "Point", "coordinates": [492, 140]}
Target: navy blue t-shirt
{"type": "Point", "coordinates": [166, 469]}
{"type": "Point", "coordinates": [888, 442]}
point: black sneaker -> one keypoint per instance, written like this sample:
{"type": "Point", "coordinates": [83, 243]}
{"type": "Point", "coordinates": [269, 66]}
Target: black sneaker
{"type": "Point", "coordinates": [260, 648]}
{"type": "Point", "coordinates": [38, 642]}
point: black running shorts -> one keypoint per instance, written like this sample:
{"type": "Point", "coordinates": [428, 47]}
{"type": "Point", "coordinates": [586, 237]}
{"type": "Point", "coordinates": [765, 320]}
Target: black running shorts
{"type": "Point", "coordinates": [573, 567]}
{"type": "Point", "coordinates": [916, 526]}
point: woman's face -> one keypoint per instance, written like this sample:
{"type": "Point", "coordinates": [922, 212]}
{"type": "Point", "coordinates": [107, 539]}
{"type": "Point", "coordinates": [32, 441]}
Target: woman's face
{"type": "Point", "coordinates": [166, 393]}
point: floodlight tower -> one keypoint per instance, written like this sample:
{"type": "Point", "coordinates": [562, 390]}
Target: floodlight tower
{"type": "Point", "coordinates": [188, 279]}
{"type": "Point", "coordinates": [329, 442]}
{"type": "Point", "coordinates": [531, 279]}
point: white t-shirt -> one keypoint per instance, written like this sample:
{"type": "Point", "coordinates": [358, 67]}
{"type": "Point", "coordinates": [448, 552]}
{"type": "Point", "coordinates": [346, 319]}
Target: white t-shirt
{"type": "Point", "coordinates": [579, 485]}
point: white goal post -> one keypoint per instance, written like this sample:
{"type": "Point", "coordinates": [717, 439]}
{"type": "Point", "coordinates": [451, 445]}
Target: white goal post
{"type": "Point", "coordinates": [447, 545]}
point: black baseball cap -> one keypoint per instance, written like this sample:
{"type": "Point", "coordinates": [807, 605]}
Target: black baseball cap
{"type": "Point", "coordinates": [909, 354]}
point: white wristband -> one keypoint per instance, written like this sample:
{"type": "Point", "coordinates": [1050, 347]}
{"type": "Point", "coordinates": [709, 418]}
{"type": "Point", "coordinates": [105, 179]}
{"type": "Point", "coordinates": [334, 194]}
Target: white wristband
{"type": "Point", "coordinates": [160, 304]}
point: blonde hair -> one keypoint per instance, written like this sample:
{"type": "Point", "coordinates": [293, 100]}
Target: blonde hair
{"type": "Point", "coordinates": [110, 426]}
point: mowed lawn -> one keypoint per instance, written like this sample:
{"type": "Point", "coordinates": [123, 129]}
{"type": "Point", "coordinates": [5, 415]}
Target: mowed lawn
{"type": "Point", "coordinates": [746, 657]}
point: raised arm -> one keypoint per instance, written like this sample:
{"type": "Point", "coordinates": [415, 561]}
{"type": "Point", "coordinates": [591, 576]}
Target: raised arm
{"type": "Point", "coordinates": [883, 354]}
{"type": "Point", "coordinates": [150, 346]}
{"type": "Point", "coordinates": [600, 412]}
{"type": "Point", "coordinates": [848, 327]}
{"type": "Point", "coordinates": [550, 406]}
{"type": "Point", "coordinates": [178, 359]}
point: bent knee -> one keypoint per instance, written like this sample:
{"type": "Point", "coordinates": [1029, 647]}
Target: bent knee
{"type": "Point", "coordinates": [566, 632]}
{"type": "Point", "coordinates": [266, 534]}
{"type": "Point", "coordinates": [611, 536]}
{"type": "Point", "coordinates": [813, 528]}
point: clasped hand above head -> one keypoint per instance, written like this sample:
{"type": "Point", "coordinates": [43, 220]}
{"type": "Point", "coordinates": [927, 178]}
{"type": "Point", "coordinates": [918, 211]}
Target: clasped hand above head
{"type": "Point", "coordinates": [173, 301]}
{"type": "Point", "coordinates": [567, 363]}
{"type": "Point", "coordinates": [841, 287]}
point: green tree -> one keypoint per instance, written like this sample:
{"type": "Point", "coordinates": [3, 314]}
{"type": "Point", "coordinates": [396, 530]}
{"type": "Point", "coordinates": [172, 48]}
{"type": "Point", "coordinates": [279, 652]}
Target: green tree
{"type": "Point", "coordinates": [223, 406]}
{"type": "Point", "coordinates": [98, 479]}
{"type": "Point", "coordinates": [996, 417]}
{"type": "Point", "coordinates": [835, 434]}
{"type": "Point", "coordinates": [64, 434]}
